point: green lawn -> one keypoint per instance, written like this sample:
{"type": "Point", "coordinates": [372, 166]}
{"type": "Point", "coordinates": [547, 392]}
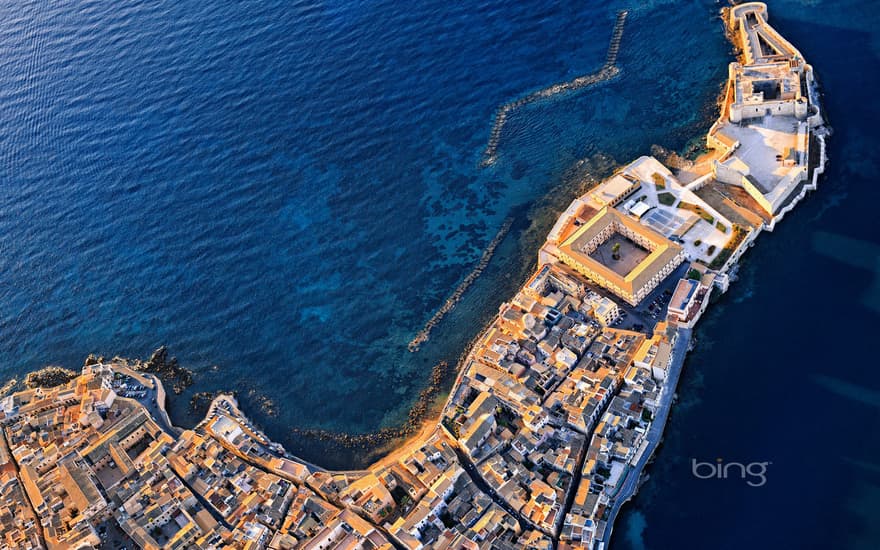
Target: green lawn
{"type": "Point", "coordinates": [666, 199]}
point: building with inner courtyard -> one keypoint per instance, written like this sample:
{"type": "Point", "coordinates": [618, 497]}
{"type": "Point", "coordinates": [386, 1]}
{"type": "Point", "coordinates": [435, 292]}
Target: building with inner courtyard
{"type": "Point", "coordinates": [621, 255]}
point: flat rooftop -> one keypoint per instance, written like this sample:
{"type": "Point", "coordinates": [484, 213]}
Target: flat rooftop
{"type": "Point", "coordinates": [684, 290]}
{"type": "Point", "coordinates": [611, 190]}
{"type": "Point", "coordinates": [763, 147]}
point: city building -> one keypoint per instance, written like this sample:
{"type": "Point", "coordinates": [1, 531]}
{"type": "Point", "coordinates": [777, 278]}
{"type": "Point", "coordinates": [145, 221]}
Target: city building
{"type": "Point", "coordinates": [615, 190]}
{"type": "Point", "coordinates": [621, 255]}
{"type": "Point", "coordinates": [684, 298]}
{"type": "Point", "coordinates": [602, 309]}
{"type": "Point", "coordinates": [770, 107]}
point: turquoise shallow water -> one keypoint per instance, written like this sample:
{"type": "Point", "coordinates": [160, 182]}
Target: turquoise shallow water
{"type": "Point", "coordinates": [289, 190]}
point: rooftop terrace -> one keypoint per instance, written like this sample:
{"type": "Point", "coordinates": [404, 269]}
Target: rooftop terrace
{"type": "Point", "coordinates": [765, 147]}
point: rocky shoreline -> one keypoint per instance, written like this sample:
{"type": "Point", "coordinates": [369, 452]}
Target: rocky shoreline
{"type": "Point", "coordinates": [418, 414]}
{"type": "Point", "coordinates": [167, 368]}
{"type": "Point", "coordinates": [48, 377]}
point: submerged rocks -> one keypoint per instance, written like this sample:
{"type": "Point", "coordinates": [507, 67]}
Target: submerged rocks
{"type": "Point", "coordinates": [608, 71]}
{"type": "Point", "coordinates": [200, 402]}
{"type": "Point", "coordinates": [459, 291]}
{"type": "Point", "coordinates": [254, 399]}
{"type": "Point", "coordinates": [417, 415]}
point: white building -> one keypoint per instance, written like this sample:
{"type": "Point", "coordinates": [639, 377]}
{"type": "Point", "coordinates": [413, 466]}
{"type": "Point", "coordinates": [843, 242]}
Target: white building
{"type": "Point", "coordinates": [603, 309]}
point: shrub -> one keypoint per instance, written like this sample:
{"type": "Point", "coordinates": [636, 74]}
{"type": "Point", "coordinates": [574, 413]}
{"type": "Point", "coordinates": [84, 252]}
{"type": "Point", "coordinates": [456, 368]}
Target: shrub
{"type": "Point", "coordinates": [659, 182]}
{"type": "Point", "coordinates": [739, 233]}
{"type": "Point", "coordinates": [666, 199]}
{"type": "Point", "coordinates": [698, 210]}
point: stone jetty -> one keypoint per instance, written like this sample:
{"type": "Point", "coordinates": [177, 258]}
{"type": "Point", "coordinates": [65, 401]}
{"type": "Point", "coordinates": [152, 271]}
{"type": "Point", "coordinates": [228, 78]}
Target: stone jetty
{"type": "Point", "coordinates": [608, 71]}
{"type": "Point", "coordinates": [422, 336]}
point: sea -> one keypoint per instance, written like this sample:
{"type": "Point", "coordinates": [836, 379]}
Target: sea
{"type": "Point", "coordinates": [284, 192]}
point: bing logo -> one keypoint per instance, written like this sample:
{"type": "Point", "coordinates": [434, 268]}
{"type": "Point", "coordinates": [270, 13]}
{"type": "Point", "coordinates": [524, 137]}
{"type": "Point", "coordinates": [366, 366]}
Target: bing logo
{"type": "Point", "coordinates": [753, 473]}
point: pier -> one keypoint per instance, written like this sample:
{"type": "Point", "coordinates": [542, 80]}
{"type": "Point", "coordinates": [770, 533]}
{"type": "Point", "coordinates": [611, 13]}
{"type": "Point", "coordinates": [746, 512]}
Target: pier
{"type": "Point", "coordinates": [608, 71]}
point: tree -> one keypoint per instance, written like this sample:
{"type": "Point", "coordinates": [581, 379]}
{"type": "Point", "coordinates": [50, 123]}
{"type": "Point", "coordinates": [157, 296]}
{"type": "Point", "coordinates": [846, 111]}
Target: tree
{"type": "Point", "coordinates": [615, 251]}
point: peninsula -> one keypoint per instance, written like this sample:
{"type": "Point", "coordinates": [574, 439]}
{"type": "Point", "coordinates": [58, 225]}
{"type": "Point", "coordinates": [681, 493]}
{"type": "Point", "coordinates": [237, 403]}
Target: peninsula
{"type": "Point", "coordinates": [552, 418]}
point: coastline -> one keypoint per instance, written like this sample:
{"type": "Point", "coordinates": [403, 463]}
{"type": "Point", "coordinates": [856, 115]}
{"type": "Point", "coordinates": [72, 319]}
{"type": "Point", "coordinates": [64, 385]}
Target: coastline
{"type": "Point", "coordinates": [431, 424]}
{"type": "Point", "coordinates": [683, 345]}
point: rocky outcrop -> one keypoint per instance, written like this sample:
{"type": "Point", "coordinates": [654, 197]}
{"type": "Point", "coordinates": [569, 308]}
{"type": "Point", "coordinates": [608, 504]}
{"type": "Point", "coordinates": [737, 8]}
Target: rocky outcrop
{"type": "Point", "coordinates": [8, 387]}
{"type": "Point", "coordinates": [168, 369]}
{"type": "Point", "coordinates": [49, 377]}
{"type": "Point", "coordinates": [201, 401]}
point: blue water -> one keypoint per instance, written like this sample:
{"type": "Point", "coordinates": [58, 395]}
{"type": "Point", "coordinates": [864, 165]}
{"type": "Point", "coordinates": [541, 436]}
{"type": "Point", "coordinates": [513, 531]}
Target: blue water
{"type": "Point", "coordinates": [785, 367]}
{"type": "Point", "coordinates": [284, 192]}
{"type": "Point", "coordinates": [289, 190]}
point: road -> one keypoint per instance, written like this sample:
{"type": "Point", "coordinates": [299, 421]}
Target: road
{"type": "Point", "coordinates": [150, 400]}
{"type": "Point", "coordinates": [472, 472]}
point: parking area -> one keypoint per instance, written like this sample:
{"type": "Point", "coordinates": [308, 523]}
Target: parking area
{"type": "Point", "coordinates": [652, 309]}
{"type": "Point", "coordinates": [127, 386]}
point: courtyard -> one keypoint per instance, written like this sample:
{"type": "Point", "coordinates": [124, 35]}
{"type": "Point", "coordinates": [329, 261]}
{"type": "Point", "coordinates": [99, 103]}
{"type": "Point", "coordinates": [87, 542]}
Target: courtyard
{"type": "Point", "coordinates": [630, 254]}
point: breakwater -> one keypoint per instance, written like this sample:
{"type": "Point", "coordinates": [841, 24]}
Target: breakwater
{"type": "Point", "coordinates": [422, 336]}
{"type": "Point", "coordinates": [608, 71]}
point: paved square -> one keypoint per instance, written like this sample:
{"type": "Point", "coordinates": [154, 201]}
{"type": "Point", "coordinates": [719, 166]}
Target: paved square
{"type": "Point", "coordinates": [630, 254]}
